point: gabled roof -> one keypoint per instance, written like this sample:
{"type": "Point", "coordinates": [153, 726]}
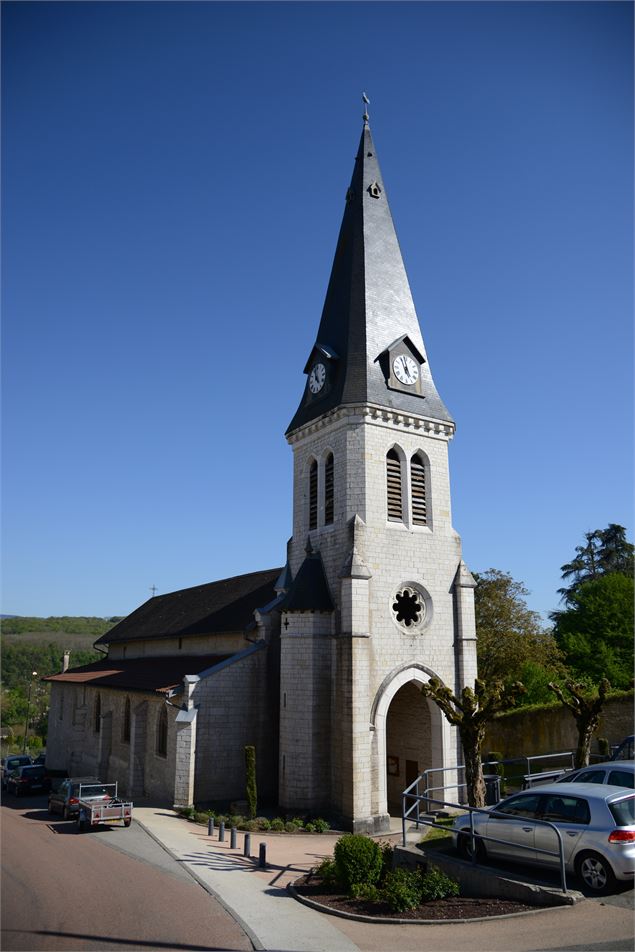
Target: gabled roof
{"type": "Point", "coordinates": [309, 590]}
{"type": "Point", "coordinates": [138, 674]}
{"type": "Point", "coordinates": [368, 306]}
{"type": "Point", "coordinates": [225, 605]}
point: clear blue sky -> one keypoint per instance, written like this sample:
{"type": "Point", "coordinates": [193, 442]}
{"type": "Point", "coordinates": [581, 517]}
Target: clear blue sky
{"type": "Point", "coordinates": [173, 184]}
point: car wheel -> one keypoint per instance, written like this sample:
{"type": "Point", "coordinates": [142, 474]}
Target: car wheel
{"type": "Point", "coordinates": [466, 847]}
{"type": "Point", "coordinates": [66, 814]}
{"type": "Point", "coordinates": [595, 872]}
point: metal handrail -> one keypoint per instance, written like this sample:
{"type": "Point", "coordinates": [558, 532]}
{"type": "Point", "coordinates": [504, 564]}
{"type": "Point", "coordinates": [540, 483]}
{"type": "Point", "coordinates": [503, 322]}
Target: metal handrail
{"type": "Point", "coordinates": [498, 813]}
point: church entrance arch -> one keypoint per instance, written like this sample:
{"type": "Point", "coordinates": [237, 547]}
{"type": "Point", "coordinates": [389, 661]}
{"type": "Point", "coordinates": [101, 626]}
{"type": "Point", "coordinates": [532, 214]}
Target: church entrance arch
{"type": "Point", "coordinates": [410, 736]}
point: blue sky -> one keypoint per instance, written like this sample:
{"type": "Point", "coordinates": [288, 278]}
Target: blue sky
{"type": "Point", "coordinates": [173, 184]}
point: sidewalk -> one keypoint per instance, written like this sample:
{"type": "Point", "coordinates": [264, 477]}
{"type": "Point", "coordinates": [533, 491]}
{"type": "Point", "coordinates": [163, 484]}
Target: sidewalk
{"type": "Point", "coordinates": [273, 920]}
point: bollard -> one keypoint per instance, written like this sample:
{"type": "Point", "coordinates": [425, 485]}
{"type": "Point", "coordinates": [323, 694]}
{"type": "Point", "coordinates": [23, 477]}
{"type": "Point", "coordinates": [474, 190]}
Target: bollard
{"type": "Point", "coordinates": [210, 826]}
{"type": "Point", "coordinates": [262, 859]}
{"type": "Point", "coordinates": [247, 845]}
{"type": "Point", "coordinates": [221, 831]}
{"type": "Point", "coordinates": [232, 838]}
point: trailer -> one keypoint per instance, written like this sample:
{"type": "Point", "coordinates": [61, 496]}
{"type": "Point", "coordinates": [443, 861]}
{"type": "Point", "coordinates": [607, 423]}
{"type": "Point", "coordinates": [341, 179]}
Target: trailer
{"type": "Point", "coordinates": [108, 809]}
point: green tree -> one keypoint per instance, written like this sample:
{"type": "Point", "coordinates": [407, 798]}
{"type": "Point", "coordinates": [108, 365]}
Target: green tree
{"type": "Point", "coordinates": [470, 712]}
{"type": "Point", "coordinates": [251, 789]}
{"type": "Point", "coordinates": [605, 551]}
{"type": "Point", "coordinates": [595, 633]}
{"type": "Point", "coordinates": [511, 636]}
{"type": "Point", "coordinates": [586, 710]}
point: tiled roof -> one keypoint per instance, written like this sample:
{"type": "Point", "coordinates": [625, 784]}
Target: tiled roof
{"type": "Point", "coordinates": [138, 674]}
{"type": "Point", "coordinates": [226, 605]}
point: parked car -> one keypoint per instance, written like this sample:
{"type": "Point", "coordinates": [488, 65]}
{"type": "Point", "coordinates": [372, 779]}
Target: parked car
{"type": "Point", "coordinates": [11, 763]}
{"type": "Point", "coordinates": [28, 779]}
{"type": "Point", "coordinates": [65, 799]}
{"type": "Point", "coordinates": [625, 750]}
{"type": "Point", "coordinates": [620, 774]}
{"type": "Point", "coordinates": [597, 823]}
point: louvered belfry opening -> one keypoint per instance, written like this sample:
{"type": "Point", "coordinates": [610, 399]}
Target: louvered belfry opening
{"type": "Point", "coordinates": [328, 490]}
{"type": "Point", "coordinates": [393, 486]}
{"type": "Point", "coordinates": [418, 490]}
{"type": "Point", "coordinates": [313, 495]}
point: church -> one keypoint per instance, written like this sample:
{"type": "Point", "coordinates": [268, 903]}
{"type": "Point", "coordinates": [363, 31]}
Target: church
{"type": "Point", "coordinates": [317, 662]}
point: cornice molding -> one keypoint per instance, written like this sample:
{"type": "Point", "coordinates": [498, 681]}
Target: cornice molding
{"type": "Point", "coordinates": [370, 413]}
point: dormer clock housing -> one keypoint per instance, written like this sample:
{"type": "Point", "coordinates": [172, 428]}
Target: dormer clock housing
{"type": "Point", "coordinates": [320, 369]}
{"type": "Point", "coordinates": [401, 364]}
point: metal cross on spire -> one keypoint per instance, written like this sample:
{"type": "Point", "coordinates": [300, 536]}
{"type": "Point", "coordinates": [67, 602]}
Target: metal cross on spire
{"type": "Point", "coordinates": [366, 102]}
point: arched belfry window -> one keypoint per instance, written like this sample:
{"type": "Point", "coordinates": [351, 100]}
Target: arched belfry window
{"type": "Point", "coordinates": [162, 733]}
{"type": "Point", "coordinates": [394, 486]}
{"type": "Point", "coordinates": [313, 495]}
{"type": "Point", "coordinates": [328, 490]}
{"type": "Point", "coordinates": [97, 713]}
{"type": "Point", "coordinates": [418, 490]}
{"type": "Point", "coordinates": [125, 728]}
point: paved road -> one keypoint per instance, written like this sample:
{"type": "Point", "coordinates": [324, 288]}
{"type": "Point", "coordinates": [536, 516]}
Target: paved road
{"type": "Point", "coordinates": [115, 889]}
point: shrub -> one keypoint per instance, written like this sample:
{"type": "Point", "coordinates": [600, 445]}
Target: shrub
{"type": "Point", "coordinates": [386, 860]}
{"type": "Point", "coordinates": [263, 823]}
{"type": "Point", "coordinates": [402, 889]}
{"type": "Point", "coordinates": [291, 827]}
{"type": "Point", "coordinates": [358, 860]}
{"type": "Point", "coordinates": [327, 872]}
{"type": "Point", "coordinates": [321, 826]}
{"type": "Point", "coordinates": [187, 812]}
{"type": "Point", "coordinates": [200, 817]}
{"type": "Point", "coordinates": [277, 825]}
{"type": "Point", "coordinates": [436, 885]}
{"type": "Point", "coordinates": [365, 891]}
{"type": "Point", "coordinates": [310, 827]}
{"type": "Point", "coordinates": [299, 822]}
{"type": "Point", "coordinates": [250, 785]}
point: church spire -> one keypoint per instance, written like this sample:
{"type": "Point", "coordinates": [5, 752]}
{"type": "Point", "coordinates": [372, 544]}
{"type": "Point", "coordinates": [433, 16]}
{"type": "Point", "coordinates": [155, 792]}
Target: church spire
{"type": "Point", "coordinates": [369, 318]}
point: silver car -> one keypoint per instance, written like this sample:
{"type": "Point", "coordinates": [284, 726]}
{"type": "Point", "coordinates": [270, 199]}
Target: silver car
{"type": "Point", "coordinates": [597, 823]}
{"type": "Point", "coordinates": [617, 774]}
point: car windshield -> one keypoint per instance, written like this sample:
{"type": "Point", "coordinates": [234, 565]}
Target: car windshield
{"type": "Point", "coordinates": [623, 811]}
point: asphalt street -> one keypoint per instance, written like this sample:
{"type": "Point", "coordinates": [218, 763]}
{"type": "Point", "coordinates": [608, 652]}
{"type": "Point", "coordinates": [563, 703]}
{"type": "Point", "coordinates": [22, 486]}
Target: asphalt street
{"type": "Point", "coordinates": [112, 889]}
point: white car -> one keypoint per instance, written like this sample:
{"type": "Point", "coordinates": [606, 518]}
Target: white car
{"type": "Point", "coordinates": [597, 823]}
{"type": "Point", "coordinates": [616, 773]}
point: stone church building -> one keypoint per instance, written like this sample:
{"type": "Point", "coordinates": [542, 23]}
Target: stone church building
{"type": "Point", "coordinates": [317, 663]}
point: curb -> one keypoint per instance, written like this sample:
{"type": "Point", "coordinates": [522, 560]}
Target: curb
{"type": "Point", "coordinates": [312, 904]}
{"type": "Point", "coordinates": [251, 935]}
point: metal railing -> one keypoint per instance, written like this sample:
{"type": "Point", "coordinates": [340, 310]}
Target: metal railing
{"type": "Point", "coordinates": [474, 836]}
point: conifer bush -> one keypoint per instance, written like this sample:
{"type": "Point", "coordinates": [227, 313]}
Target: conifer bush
{"type": "Point", "coordinates": [358, 860]}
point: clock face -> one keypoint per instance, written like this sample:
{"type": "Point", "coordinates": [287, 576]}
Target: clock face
{"type": "Point", "coordinates": [405, 369]}
{"type": "Point", "coordinates": [317, 378]}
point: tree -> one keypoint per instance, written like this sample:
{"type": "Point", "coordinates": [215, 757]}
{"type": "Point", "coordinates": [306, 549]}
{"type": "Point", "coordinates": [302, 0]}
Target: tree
{"type": "Point", "coordinates": [510, 636]}
{"type": "Point", "coordinates": [470, 713]}
{"type": "Point", "coordinates": [595, 633]}
{"type": "Point", "coordinates": [586, 710]}
{"type": "Point", "coordinates": [605, 551]}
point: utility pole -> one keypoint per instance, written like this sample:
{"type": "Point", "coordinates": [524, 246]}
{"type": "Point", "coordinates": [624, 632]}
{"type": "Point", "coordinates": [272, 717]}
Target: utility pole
{"type": "Point", "coordinates": [28, 706]}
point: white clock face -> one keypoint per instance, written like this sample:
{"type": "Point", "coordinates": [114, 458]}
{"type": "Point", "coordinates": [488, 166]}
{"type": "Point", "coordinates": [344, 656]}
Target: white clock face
{"type": "Point", "coordinates": [405, 369]}
{"type": "Point", "coordinates": [317, 378]}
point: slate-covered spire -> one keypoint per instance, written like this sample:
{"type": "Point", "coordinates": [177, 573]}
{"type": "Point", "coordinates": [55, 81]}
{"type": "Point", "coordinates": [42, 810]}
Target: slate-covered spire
{"type": "Point", "coordinates": [368, 308]}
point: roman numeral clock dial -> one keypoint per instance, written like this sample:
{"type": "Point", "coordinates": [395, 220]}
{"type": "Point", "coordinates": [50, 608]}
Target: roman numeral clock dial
{"type": "Point", "coordinates": [317, 378]}
{"type": "Point", "coordinates": [405, 369]}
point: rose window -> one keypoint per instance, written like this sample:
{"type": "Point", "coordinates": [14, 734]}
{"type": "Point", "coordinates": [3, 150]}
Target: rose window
{"type": "Point", "coordinates": [409, 608]}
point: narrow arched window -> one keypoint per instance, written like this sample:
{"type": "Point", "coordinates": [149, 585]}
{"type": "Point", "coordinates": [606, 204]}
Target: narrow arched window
{"type": "Point", "coordinates": [162, 733]}
{"type": "Point", "coordinates": [125, 727]}
{"type": "Point", "coordinates": [418, 491]}
{"type": "Point", "coordinates": [393, 486]}
{"type": "Point", "coordinates": [328, 490]}
{"type": "Point", "coordinates": [97, 714]}
{"type": "Point", "coordinates": [313, 495]}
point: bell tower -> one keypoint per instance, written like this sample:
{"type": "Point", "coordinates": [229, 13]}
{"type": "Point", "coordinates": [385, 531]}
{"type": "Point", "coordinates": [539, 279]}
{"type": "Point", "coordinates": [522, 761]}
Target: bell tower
{"type": "Point", "coordinates": [378, 598]}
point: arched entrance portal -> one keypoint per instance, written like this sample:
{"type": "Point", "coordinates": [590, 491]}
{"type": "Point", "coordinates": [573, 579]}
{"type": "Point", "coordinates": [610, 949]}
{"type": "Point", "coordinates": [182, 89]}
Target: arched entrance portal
{"type": "Point", "coordinates": [408, 742]}
{"type": "Point", "coordinates": [409, 734]}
